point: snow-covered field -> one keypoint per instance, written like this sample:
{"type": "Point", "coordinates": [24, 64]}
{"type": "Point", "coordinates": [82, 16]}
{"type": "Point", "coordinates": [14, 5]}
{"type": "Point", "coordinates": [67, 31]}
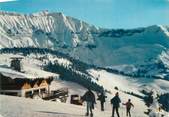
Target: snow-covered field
{"type": "Point", "coordinates": [32, 66]}
{"type": "Point", "coordinates": [21, 107]}
{"type": "Point", "coordinates": [124, 83]}
{"type": "Point", "coordinates": [138, 111]}
{"type": "Point", "coordinates": [24, 107]}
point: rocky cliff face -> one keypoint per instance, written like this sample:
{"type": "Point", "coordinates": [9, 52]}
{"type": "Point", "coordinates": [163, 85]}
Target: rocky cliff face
{"type": "Point", "coordinates": [43, 29]}
{"type": "Point", "coordinates": [102, 47]}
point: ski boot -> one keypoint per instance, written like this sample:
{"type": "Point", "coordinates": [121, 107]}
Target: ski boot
{"type": "Point", "coordinates": [91, 115]}
{"type": "Point", "coordinates": [87, 114]}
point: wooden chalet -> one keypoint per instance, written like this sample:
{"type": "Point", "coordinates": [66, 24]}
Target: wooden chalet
{"type": "Point", "coordinates": [24, 87]}
{"type": "Point", "coordinates": [16, 83]}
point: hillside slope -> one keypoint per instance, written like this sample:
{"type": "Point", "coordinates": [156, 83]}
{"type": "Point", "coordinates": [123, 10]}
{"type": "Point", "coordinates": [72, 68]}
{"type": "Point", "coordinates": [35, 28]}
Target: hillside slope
{"type": "Point", "coordinates": [81, 40]}
{"type": "Point", "coordinates": [33, 65]}
{"type": "Point", "coordinates": [39, 108]}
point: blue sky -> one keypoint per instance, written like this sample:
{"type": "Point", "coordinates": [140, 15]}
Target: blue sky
{"type": "Point", "coordinates": [102, 13]}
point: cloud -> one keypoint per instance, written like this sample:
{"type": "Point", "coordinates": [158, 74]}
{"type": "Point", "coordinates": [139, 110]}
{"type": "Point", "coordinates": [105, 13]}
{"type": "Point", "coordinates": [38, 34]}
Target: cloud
{"type": "Point", "coordinates": [7, 0]}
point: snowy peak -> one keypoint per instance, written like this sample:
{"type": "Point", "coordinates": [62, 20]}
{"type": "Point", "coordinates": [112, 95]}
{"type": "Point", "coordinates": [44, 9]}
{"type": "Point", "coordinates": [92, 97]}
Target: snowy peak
{"type": "Point", "coordinates": [53, 28]}
{"type": "Point", "coordinates": [81, 40]}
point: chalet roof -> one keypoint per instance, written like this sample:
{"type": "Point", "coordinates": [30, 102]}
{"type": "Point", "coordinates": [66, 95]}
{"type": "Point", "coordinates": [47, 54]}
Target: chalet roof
{"type": "Point", "coordinates": [34, 75]}
{"type": "Point", "coordinates": [13, 74]}
{"type": "Point", "coordinates": [17, 58]}
{"type": "Point", "coordinates": [36, 81]}
{"type": "Point", "coordinates": [8, 83]}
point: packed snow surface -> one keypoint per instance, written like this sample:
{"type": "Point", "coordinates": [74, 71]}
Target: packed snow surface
{"type": "Point", "coordinates": [21, 107]}
{"type": "Point", "coordinates": [129, 84]}
{"type": "Point", "coordinates": [31, 67]}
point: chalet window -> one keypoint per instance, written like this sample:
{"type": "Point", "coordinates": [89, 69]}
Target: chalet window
{"type": "Point", "coordinates": [36, 91]}
{"type": "Point", "coordinates": [43, 90]}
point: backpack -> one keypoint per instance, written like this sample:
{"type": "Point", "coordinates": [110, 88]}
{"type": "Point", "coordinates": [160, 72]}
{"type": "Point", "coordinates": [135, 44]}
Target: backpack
{"type": "Point", "coordinates": [112, 101]}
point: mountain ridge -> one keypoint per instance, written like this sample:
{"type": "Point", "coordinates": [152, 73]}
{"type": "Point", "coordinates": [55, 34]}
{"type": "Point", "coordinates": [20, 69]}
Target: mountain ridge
{"type": "Point", "coordinates": [82, 41]}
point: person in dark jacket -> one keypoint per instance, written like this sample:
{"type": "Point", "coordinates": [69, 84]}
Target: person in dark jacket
{"type": "Point", "coordinates": [89, 97]}
{"type": "Point", "coordinates": [115, 101]}
{"type": "Point", "coordinates": [128, 107]}
{"type": "Point", "coordinates": [102, 99]}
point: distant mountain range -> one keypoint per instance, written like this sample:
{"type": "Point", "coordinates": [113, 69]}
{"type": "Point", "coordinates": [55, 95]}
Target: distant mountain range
{"type": "Point", "coordinates": [141, 50]}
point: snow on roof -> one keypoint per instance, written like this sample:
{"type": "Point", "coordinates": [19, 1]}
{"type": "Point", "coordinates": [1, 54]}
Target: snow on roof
{"type": "Point", "coordinates": [14, 74]}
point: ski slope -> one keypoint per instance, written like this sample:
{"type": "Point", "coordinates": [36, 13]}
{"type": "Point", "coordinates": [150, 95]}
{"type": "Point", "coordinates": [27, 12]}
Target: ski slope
{"type": "Point", "coordinates": [31, 67]}
{"type": "Point", "coordinates": [128, 84]}
{"type": "Point", "coordinates": [21, 107]}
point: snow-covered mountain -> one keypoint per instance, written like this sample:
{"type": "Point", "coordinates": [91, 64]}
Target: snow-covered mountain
{"type": "Point", "coordinates": [51, 30]}
{"type": "Point", "coordinates": [98, 46]}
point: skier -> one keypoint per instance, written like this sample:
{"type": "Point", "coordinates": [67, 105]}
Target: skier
{"type": "Point", "coordinates": [102, 99]}
{"type": "Point", "coordinates": [128, 107]}
{"type": "Point", "coordinates": [89, 97]}
{"type": "Point", "coordinates": [115, 101]}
